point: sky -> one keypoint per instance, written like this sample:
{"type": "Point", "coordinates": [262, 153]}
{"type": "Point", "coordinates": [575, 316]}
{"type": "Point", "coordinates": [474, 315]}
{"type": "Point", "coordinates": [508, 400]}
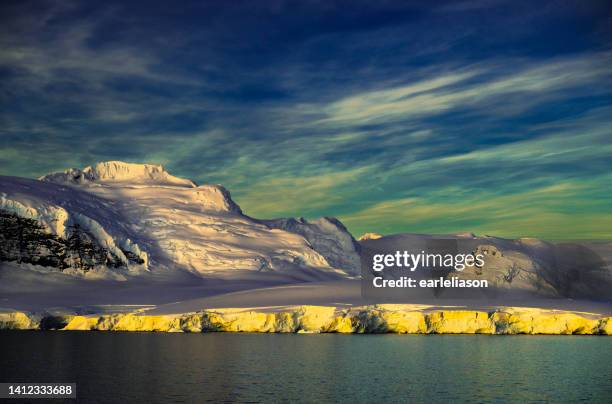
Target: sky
{"type": "Point", "coordinates": [487, 116]}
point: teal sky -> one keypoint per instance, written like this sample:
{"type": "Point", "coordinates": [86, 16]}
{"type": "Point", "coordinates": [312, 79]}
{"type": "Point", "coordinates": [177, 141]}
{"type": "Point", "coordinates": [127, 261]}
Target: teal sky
{"type": "Point", "coordinates": [485, 116]}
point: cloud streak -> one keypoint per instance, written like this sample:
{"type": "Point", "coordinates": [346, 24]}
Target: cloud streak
{"type": "Point", "coordinates": [534, 84]}
{"type": "Point", "coordinates": [392, 117]}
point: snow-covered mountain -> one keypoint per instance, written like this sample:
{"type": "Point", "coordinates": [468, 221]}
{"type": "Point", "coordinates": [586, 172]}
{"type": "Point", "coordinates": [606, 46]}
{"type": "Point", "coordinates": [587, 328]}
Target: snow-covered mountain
{"type": "Point", "coordinates": [134, 218]}
{"type": "Point", "coordinates": [123, 220]}
{"type": "Point", "coordinates": [560, 269]}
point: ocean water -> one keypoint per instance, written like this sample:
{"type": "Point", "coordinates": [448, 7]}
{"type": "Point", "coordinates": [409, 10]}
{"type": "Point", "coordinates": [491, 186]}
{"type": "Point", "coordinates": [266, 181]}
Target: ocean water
{"type": "Point", "coordinates": [160, 367]}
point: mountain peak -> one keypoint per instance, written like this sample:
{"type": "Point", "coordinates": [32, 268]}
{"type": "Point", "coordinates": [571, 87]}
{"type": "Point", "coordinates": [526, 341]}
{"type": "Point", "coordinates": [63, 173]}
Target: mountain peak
{"type": "Point", "coordinates": [119, 172]}
{"type": "Point", "coordinates": [369, 236]}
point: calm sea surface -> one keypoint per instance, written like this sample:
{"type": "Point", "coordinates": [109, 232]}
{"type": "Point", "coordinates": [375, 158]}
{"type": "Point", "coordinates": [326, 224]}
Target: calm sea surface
{"type": "Point", "coordinates": [148, 367]}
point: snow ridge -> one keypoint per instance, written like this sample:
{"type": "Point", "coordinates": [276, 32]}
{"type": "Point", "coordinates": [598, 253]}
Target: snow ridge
{"type": "Point", "coordinates": [118, 172]}
{"type": "Point", "coordinates": [328, 236]}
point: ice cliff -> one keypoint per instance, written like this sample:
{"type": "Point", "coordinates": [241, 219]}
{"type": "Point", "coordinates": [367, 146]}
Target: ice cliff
{"type": "Point", "coordinates": [377, 319]}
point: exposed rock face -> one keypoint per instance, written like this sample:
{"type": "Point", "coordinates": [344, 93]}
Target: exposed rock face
{"type": "Point", "coordinates": [25, 240]}
{"type": "Point", "coordinates": [400, 319]}
{"type": "Point", "coordinates": [63, 222]}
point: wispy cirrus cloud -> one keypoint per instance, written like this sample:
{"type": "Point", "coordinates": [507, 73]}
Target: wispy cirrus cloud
{"type": "Point", "coordinates": [394, 116]}
{"type": "Point", "coordinates": [534, 213]}
{"type": "Point", "coordinates": [553, 186]}
{"type": "Point", "coordinates": [476, 87]}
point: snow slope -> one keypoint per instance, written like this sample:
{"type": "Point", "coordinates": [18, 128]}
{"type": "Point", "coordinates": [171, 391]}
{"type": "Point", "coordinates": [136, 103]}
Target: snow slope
{"type": "Point", "coordinates": [171, 223]}
{"type": "Point", "coordinates": [562, 269]}
{"type": "Point", "coordinates": [326, 235]}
